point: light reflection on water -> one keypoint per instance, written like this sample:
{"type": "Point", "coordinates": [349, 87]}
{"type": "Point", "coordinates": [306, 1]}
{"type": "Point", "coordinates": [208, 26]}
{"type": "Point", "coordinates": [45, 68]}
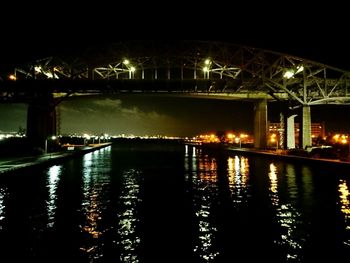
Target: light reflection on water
{"type": "Point", "coordinates": [190, 164]}
{"type": "Point", "coordinates": [288, 219]}
{"type": "Point", "coordinates": [52, 182]}
{"type": "Point", "coordinates": [128, 217]}
{"type": "Point", "coordinates": [2, 205]}
{"type": "Point", "coordinates": [344, 196]}
{"type": "Point", "coordinates": [96, 180]}
{"type": "Point", "coordinates": [205, 192]}
{"type": "Point", "coordinates": [238, 175]}
{"type": "Point", "coordinates": [297, 211]}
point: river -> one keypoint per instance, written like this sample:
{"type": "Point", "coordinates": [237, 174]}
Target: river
{"type": "Point", "coordinates": [148, 202]}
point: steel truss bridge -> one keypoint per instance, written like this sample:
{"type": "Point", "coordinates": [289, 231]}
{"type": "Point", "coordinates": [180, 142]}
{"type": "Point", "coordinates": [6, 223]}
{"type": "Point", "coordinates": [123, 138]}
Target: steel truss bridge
{"type": "Point", "coordinates": [184, 67]}
{"type": "Point", "coordinates": [193, 68]}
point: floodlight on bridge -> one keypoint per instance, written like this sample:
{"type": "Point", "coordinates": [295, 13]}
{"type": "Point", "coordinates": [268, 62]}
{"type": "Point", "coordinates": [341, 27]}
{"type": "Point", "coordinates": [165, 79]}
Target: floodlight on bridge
{"type": "Point", "coordinates": [206, 68]}
{"type": "Point", "coordinates": [206, 72]}
{"type": "Point", "coordinates": [131, 72]}
{"type": "Point", "coordinates": [37, 69]}
{"type": "Point", "coordinates": [291, 72]}
{"type": "Point", "coordinates": [288, 74]}
{"type": "Point", "coordinates": [126, 62]}
{"type": "Point", "coordinates": [299, 69]}
{"type": "Point", "coordinates": [47, 73]}
{"type": "Point", "coordinates": [12, 77]}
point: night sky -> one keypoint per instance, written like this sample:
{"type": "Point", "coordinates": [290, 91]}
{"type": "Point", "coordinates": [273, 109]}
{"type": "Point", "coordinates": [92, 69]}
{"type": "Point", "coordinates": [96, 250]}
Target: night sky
{"type": "Point", "coordinates": [158, 115]}
{"type": "Point", "coordinates": [141, 115]}
{"type": "Point", "coordinates": [145, 114]}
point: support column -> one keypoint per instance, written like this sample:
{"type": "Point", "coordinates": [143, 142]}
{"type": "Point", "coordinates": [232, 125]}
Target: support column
{"type": "Point", "coordinates": [41, 120]}
{"type": "Point", "coordinates": [281, 132]}
{"type": "Point", "coordinates": [291, 132]}
{"type": "Point", "coordinates": [260, 124]}
{"type": "Point", "coordinates": [305, 129]}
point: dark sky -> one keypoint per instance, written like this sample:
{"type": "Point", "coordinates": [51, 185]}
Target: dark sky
{"type": "Point", "coordinates": [141, 115]}
{"type": "Point", "coordinates": [17, 50]}
{"type": "Point", "coordinates": [311, 30]}
{"type": "Point", "coordinates": [151, 115]}
{"type": "Point", "coordinates": [145, 114]}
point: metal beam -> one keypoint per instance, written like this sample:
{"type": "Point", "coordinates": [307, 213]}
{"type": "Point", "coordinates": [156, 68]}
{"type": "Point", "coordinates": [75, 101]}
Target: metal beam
{"type": "Point", "coordinates": [243, 70]}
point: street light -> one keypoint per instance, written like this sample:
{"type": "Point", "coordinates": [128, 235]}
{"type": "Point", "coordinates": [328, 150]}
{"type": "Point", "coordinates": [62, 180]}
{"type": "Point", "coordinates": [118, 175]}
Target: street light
{"type": "Point", "coordinates": [52, 138]}
{"type": "Point", "coordinates": [274, 139]}
{"type": "Point", "coordinates": [206, 72]}
{"type": "Point", "coordinates": [206, 68]}
{"type": "Point", "coordinates": [239, 140]}
{"type": "Point", "coordinates": [131, 72]}
{"type": "Point", "coordinates": [230, 137]}
{"type": "Point", "coordinates": [130, 68]}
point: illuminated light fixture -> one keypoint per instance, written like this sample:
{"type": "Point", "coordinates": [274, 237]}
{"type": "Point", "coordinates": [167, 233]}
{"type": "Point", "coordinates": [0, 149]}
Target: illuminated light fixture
{"type": "Point", "coordinates": [206, 69]}
{"type": "Point", "coordinates": [231, 136]}
{"type": "Point", "coordinates": [49, 75]}
{"type": "Point", "coordinates": [299, 69]}
{"type": "Point", "coordinates": [288, 74]}
{"type": "Point", "coordinates": [132, 69]}
{"type": "Point", "coordinates": [207, 62]}
{"type": "Point", "coordinates": [242, 135]}
{"type": "Point", "coordinates": [126, 62]}
{"type": "Point", "coordinates": [12, 77]}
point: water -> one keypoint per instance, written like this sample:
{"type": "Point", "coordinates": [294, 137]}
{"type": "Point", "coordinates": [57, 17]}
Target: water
{"type": "Point", "coordinates": [171, 203]}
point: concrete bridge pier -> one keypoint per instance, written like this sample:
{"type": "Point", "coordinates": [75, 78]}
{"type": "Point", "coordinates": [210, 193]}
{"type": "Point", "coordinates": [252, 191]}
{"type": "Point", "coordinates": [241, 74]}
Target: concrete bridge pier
{"type": "Point", "coordinates": [305, 129]}
{"type": "Point", "coordinates": [260, 124]}
{"type": "Point", "coordinates": [290, 134]}
{"type": "Point", "coordinates": [41, 119]}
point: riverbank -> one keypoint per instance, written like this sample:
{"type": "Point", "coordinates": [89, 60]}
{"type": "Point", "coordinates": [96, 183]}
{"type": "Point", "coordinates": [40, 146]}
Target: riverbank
{"type": "Point", "coordinates": [278, 155]}
{"type": "Point", "coordinates": [11, 165]}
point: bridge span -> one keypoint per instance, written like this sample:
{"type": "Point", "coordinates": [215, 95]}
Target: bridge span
{"type": "Point", "coordinates": [180, 68]}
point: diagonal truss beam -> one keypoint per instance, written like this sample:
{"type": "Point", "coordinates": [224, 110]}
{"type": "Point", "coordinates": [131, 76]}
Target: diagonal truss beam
{"type": "Point", "coordinates": [231, 69]}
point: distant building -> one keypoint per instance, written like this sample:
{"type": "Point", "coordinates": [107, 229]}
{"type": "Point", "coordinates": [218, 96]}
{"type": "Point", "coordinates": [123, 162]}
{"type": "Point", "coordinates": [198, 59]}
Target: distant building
{"type": "Point", "coordinates": [318, 130]}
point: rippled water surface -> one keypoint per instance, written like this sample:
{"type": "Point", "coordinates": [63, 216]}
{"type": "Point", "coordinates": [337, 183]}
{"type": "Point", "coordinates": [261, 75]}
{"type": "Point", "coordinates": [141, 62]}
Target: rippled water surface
{"type": "Point", "coordinates": [175, 203]}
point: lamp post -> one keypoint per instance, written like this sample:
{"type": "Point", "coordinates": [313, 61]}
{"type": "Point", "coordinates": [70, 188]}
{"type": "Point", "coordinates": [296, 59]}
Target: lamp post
{"type": "Point", "coordinates": [46, 141]}
{"type": "Point", "coordinates": [46, 146]}
{"type": "Point", "coordinates": [206, 68]}
{"type": "Point", "coordinates": [239, 140]}
{"type": "Point", "coordinates": [274, 138]}
{"type": "Point", "coordinates": [132, 72]}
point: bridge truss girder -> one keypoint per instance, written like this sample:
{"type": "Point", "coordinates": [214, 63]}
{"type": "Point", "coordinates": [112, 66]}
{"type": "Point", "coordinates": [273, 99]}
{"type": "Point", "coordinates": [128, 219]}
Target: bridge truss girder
{"type": "Point", "coordinates": [231, 69]}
